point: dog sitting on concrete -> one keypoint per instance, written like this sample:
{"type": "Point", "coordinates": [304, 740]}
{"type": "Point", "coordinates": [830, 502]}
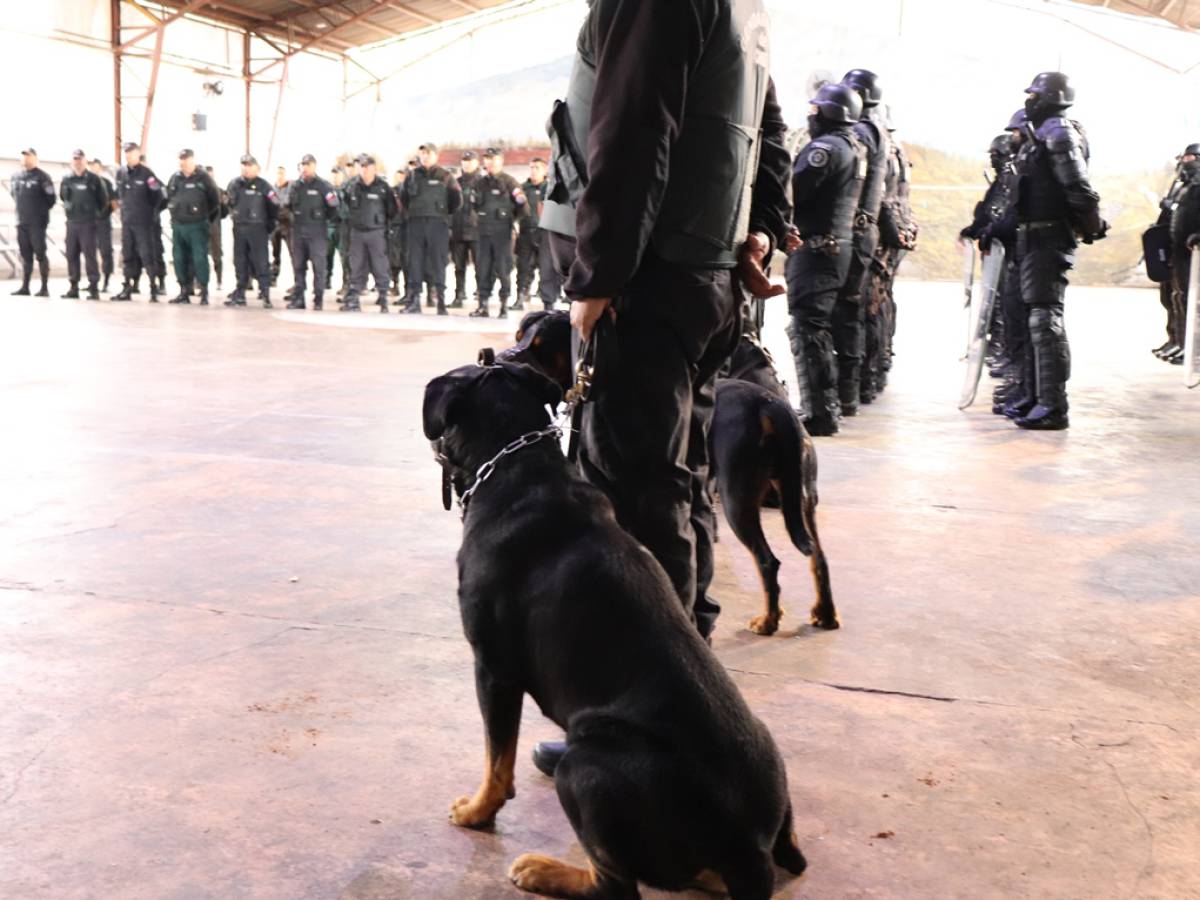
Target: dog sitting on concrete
{"type": "Point", "coordinates": [757, 448]}
{"type": "Point", "coordinates": [668, 778]}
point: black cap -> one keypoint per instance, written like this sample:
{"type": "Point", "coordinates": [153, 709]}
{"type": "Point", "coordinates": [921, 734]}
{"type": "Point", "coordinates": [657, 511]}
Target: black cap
{"type": "Point", "coordinates": [96, 162]}
{"type": "Point", "coordinates": [365, 159]}
{"type": "Point", "coordinates": [78, 154]}
{"type": "Point", "coordinates": [414, 162]}
{"type": "Point", "coordinates": [29, 151]}
{"type": "Point", "coordinates": [307, 158]}
{"type": "Point", "coordinates": [353, 161]}
{"type": "Point", "coordinates": [248, 160]}
{"type": "Point", "coordinates": [131, 145]}
{"type": "Point", "coordinates": [492, 151]}
{"type": "Point", "coordinates": [470, 154]}
{"type": "Point", "coordinates": [1191, 150]}
{"type": "Point", "coordinates": [186, 153]}
{"type": "Point", "coordinates": [432, 148]}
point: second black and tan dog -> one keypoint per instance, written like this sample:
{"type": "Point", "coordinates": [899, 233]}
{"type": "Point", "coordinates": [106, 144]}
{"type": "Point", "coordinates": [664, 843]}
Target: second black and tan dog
{"type": "Point", "coordinates": [668, 779]}
{"type": "Point", "coordinates": [757, 447]}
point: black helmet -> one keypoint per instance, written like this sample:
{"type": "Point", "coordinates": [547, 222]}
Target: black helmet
{"type": "Point", "coordinates": [867, 85]}
{"type": "Point", "coordinates": [838, 103]}
{"type": "Point", "coordinates": [1001, 145]}
{"type": "Point", "coordinates": [1019, 120]}
{"type": "Point", "coordinates": [1190, 150]}
{"type": "Point", "coordinates": [1053, 90]}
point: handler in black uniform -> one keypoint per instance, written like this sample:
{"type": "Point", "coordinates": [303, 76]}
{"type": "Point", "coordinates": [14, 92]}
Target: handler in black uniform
{"type": "Point", "coordinates": [1185, 236]}
{"type": "Point", "coordinates": [142, 197]}
{"type": "Point", "coordinates": [398, 240]}
{"type": "Point", "coordinates": [431, 195]}
{"type": "Point", "coordinates": [827, 184]}
{"type": "Point", "coordinates": [849, 315]}
{"type": "Point", "coordinates": [84, 200]}
{"type": "Point", "coordinates": [104, 234]}
{"type": "Point", "coordinates": [498, 200]}
{"type": "Point", "coordinates": [195, 203]}
{"type": "Point", "coordinates": [216, 243]}
{"type": "Point", "coordinates": [336, 243]}
{"type": "Point", "coordinates": [254, 208]}
{"type": "Point", "coordinates": [33, 192]}
{"type": "Point", "coordinates": [1054, 205]}
{"type": "Point", "coordinates": [1173, 290]}
{"type": "Point", "coordinates": [312, 201]}
{"type": "Point", "coordinates": [370, 207]}
{"type": "Point", "coordinates": [282, 235]}
{"type": "Point", "coordinates": [464, 230]}
{"type": "Point", "coordinates": [528, 231]}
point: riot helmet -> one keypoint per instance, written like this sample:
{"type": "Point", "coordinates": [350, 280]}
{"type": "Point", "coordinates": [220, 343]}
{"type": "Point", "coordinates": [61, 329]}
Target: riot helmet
{"type": "Point", "coordinates": [1001, 150]}
{"type": "Point", "coordinates": [1048, 95]}
{"type": "Point", "coordinates": [867, 84]}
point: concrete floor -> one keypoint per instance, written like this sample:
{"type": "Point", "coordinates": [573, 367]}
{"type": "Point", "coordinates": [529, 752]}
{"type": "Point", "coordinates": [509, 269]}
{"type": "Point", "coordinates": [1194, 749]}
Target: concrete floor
{"type": "Point", "coordinates": [231, 664]}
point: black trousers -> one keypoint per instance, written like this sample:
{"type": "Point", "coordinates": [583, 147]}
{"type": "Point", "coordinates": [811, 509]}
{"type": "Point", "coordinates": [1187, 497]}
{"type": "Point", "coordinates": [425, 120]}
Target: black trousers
{"type": "Point", "coordinates": [527, 259]}
{"type": "Point", "coordinates": [308, 245]}
{"type": "Point", "coordinates": [215, 249]}
{"type": "Point", "coordinates": [814, 281]}
{"type": "Point", "coordinates": [137, 251]}
{"type": "Point", "coordinates": [550, 282]}
{"type": "Point", "coordinates": [279, 237]}
{"type": "Point", "coordinates": [1176, 295]}
{"type": "Point", "coordinates": [250, 260]}
{"type": "Point", "coordinates": [1043, 259]}
{"type": "Point", "coordinates": [31, 242]}
{"type": "Point", "coordinates": [104, 243]}
{"type": "Point", "coordinates": [493, 263]}
{"type": "Point", "coordinates": [644, 436]}
{"type": "Point", "coordinates": [369, 256]}
{"type": "Point", "coordinates": [463, 252]}
{"type": "Point", "coordinates": [81, 239]}
{"type": "Point", "coordinates": [1016, 330]}
{"type": "Point", "coordinates": [850, 315]}
{"type": "Point", "coordinates": [428, 254]}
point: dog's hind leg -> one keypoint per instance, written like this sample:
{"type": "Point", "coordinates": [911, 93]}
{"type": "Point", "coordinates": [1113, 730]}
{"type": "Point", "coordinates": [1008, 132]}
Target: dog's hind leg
{"type": "Point", "coordinates": [741, 496]}
{"type": "Point", "coordinates": [786, 852]}
{"type": "Point", "coordinates": [500, 705]}
{"type": "Point", "coordinates": [752, 880]}
{"type": "Point", "coordinates": [553, 878]}
{"type": "Point", "coordinates": [823, 614]}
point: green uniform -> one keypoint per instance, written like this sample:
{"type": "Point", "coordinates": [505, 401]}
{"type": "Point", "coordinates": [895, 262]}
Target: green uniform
{"type": "Point", "coordinates": [194, 203]}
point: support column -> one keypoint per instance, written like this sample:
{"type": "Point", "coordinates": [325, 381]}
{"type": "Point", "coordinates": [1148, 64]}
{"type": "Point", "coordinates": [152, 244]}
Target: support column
{"type": "Point", "coordinates": [247, 81]}
{"type": "Point", "coordinates": [115, 36]}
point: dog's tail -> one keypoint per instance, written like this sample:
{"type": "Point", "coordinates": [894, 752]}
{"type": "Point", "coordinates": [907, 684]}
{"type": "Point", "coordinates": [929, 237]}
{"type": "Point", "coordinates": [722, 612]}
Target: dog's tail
{"type": "Point", "coordinates": [795, 468]}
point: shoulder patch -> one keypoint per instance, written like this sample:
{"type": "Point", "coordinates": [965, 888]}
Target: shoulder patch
{"type": "Point", "coordinates": [818, 157]}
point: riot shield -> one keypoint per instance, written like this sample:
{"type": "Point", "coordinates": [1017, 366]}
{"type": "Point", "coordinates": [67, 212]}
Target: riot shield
{"type": "Point", "coordinates": [1156, 248]}
{"type": "Point", "coordinates": [968, 282]}
{"type": "Point", "coordinates": [1191, 362]}
{"type": "Point", "coordinates": [981, 319]}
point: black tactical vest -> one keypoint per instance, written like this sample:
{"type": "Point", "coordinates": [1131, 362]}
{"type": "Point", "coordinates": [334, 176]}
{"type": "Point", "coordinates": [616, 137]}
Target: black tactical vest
{"type": "Point", "coordinates": [428, 193]}
{"type": "Point", "coordinates": [250, 201]}
{"type": "Point", "coordinates": [830, 209]}
{"type": "Point", "coordinates": [308, 201]}
{"type": "Point", "coordinates": [535, 196]}
{"type": "Point", "coordinates": [465, 225]}
{"type": "Point", "coordinates": [705, 213]}
{"type": "Point", "coordinates": [33, 192]}
{"type": "Point", "coordinates": [1040, 197]}
{"type": "Point", "coordinates": [495, 202]}
{"type": "Point", "coordinates": [878, 150]}
{"type": "Point", "coordinates": [367, 204]}
{"type": "Point", "coordinates": [140, 193]}
{"type": "Point", "coordinates": [187, 199]}
{"type": "Point", "coordinates": [82, 197]}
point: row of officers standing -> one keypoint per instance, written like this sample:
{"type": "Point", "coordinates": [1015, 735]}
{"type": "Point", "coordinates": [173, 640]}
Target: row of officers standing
{"type": "Point", "coordinates": [389, 233]}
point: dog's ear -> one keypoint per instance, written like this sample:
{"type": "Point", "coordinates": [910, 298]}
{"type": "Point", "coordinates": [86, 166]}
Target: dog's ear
{"type": "Point", "coordinates": [546, 390]}
{"type": "Point", "coordinates": [443, 399]}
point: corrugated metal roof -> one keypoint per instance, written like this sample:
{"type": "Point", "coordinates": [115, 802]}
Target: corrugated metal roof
{"type": "Point", "coordinates": [333, 25]}
{"type": "Point", "coordinates": [1181, 13]}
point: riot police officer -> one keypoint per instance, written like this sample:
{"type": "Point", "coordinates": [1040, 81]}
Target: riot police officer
{"type": "Point", "coordinates": [1185, 235]}
{"type": "Point", "coordinates": [498, 201]}
{"type": "Point", "coordinates": [254, 208]}
{"type": "Point", "coordinates": [1054, 206]}
{"type": "Point", "coordinates": [84, 200]}
{"type": "Point", "coordinates": [195, 204]}
{"type": "Point", "coordinates": [370, 206]}
{"type": "Point", "coordinates": [104, 235]}
{"type": "Point", "coordinates": [464, 230]}
{"type": "Point", "coordinates": [849, 314]}
{"type": "Point", "coordinates": [33, 192]}
{"type": "Point", "coordinates": [312, 201]}
{"type": "Point", "coordinates": [142, 197]}
{"type": "Point", "coordinates": [430, 196]}
{"type": "Point", "coordinates": [528, 231]}
{"type": "Point", "coordinates": [827, 185]}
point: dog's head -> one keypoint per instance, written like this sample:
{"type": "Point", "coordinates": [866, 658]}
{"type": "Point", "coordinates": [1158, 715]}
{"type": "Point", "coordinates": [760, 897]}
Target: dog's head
{"type": "Point", "coordinates": [543, 342]}
{"type": "Point", "coordinates": [471, 413]}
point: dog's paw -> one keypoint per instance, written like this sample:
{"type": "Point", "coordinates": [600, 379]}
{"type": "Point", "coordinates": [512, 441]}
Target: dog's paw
{"type": "Point", "coordinates": [543, 875]}
{"type": "Point", "coordinates": [765, 624]}
{"type": "Point", "coordinates": [470, 812]}
{"type": "Point", "coordinates": [824, 618]}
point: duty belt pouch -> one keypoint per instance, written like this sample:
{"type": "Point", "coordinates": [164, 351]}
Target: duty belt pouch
{"type": "Point", "coordinates": [570, 168]}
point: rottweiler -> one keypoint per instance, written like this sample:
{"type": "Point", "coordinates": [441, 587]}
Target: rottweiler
{"type": "Point", "coordinates": [668, 779]}
{"type": "Point", "coordinates": [759, 455]}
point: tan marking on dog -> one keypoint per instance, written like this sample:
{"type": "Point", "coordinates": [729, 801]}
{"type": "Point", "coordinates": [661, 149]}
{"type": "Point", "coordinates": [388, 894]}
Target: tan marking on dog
{"type": "Point", "coordinates": [552, 878]}
{"type": "Point", "coordinates": [768, 427]}
{"type": "Point", "coordinates": [710, 882]}
{"type": "Point", "coordinates": [498, 787]}
{"type": "Point", "coordinates": [766, 624]}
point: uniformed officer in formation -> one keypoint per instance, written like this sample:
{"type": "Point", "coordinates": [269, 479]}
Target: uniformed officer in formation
{"type": "Point", "coordinates": [398, 240]}
{"type": "Point", "coordinates": [216, 245]}
{"type": "Point", "coordinates": [849, 315]}
{"type": "Point", "coordinates": [464, 230]}
{"type": "Point", "coordinates": [1179, 214]}
{"type": "Point", "coordinates": [142, 197]}
{"type": "Point", "coordinates": [337, 233]}
{"type": "Point", "coordinates": [370, 206]}
{"type": "Point", "coordinates": [282, 235]}
{"type": "Point", "coordinates": [431, 195]}
{"type": "Point", "coordinates": [104, 234]}
{"type": "Point", "coordinates": [827, 183]}
{"type": "Point", "coordinates": [311, 201]}
{"type": "Point", "coordinates": [194, 204]}
{"type": "Point", "coordinates": [84, 200]}
{"type": "Point", "coordinates": [33, 191]}
{"type": "Point", "coordinates": [254, 208]}
{"type": "Point", "coordinates": [528, 231]}
{"type": "Point", "coordinates": [498, 201]}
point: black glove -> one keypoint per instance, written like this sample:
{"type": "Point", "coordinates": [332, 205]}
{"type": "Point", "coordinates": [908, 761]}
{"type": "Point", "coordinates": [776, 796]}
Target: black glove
{"type": "Point", "coordinates": [986, 236]}
{"type": "Point", "coordinates": [969, 233]}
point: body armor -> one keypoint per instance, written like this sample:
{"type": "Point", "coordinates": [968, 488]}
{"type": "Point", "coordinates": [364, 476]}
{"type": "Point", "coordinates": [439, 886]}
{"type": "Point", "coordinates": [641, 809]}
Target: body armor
{"type": "Point", "coordinates": [83, 197]}
{"type": "Point", "coordinates": [368, 206]}
{"type": "Point", "coordinates": [249, 201]}
{"type": "Point", "coordinates": [188, 199]}
{"type": "Point", "coordinates": [140, 193]}
{"type": "Point", "coordinates": [33, 192]}
{"type": "Point", "coordinates": [428, 193]}
{"type": "Point", "coordinates": [827, 182]}
{"type": "Point", "coordinates": [310, 201]}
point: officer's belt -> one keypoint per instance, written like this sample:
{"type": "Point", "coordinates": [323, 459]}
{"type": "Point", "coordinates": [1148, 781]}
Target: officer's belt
{"type": "Point", "coordinates": [1043, 225]}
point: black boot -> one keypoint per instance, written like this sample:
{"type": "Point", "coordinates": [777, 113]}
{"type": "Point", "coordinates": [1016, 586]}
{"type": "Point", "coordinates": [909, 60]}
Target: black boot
{"type": "Point", "coordinates": [460, 299]}
{"type": "Point", "coordinates": [848, 394]}
{"type": "Point", "coordinates": [503, 313]}
{"type": "Point", "coordinates": [413, 306]}
{"type": "Point", "coordinates": [318, 301]}
{"type": "Point", "coordinates": [382, 303]}
{"type": "Point", "coordinates": [22, 291]}
{"type": "Point", "coordinates": [481, 311]}
{"type": "Point", "coordinates": [264, 294]}
{"type": "Point", "coordinates": [72, 293]}
{"type": "Point", "coordinates": [351, 303]}
{"type": "Point", "coordinates": [93, 293]}
{"type": "Point", "coordinates": [441, 305]}
{"type": "Point", "coordinates": [522, 296]}
{"type": "Point", "coordinates": [153, 293]}
{"type": "Point", "coordinates": [43, 291]}
{"type": "Point", "coordinates": [1043, 418]}
{"type": "Point", "coordinates": [44, 271]}
{"type": "Point", "coordinates": [125, 294]}
{"type": "Point", "coordinates": [204, 295]}
{"type": "Point", "coordinates": [296, 301]}
{"type": "Point", "coordinates": [104, 287]}
{"type": "Point", "coordinates": [185, 293]}
{"type": "Point", "coordinates": [236, 298]}
{"type": "Point", "coordinates": [547, 755]}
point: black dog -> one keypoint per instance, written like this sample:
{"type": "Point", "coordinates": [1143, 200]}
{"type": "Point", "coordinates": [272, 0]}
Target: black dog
{"type": "Point", "coordinates": [668, 778]}
{"type": "Point", "coordinates": [758, 448]}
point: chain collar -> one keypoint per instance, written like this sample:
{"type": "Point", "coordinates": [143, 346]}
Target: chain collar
{"type": "Point", "coordinates": [488, 469]}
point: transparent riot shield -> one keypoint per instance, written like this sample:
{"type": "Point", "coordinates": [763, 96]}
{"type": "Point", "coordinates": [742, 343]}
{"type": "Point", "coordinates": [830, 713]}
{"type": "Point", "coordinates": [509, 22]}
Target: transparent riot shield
{"type": "Point", "coordinates": [968, 283]}
{"type": "Point", "coordinates": [1191, 360]}
{"type": "Point", "coordinates": [981, 319]}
